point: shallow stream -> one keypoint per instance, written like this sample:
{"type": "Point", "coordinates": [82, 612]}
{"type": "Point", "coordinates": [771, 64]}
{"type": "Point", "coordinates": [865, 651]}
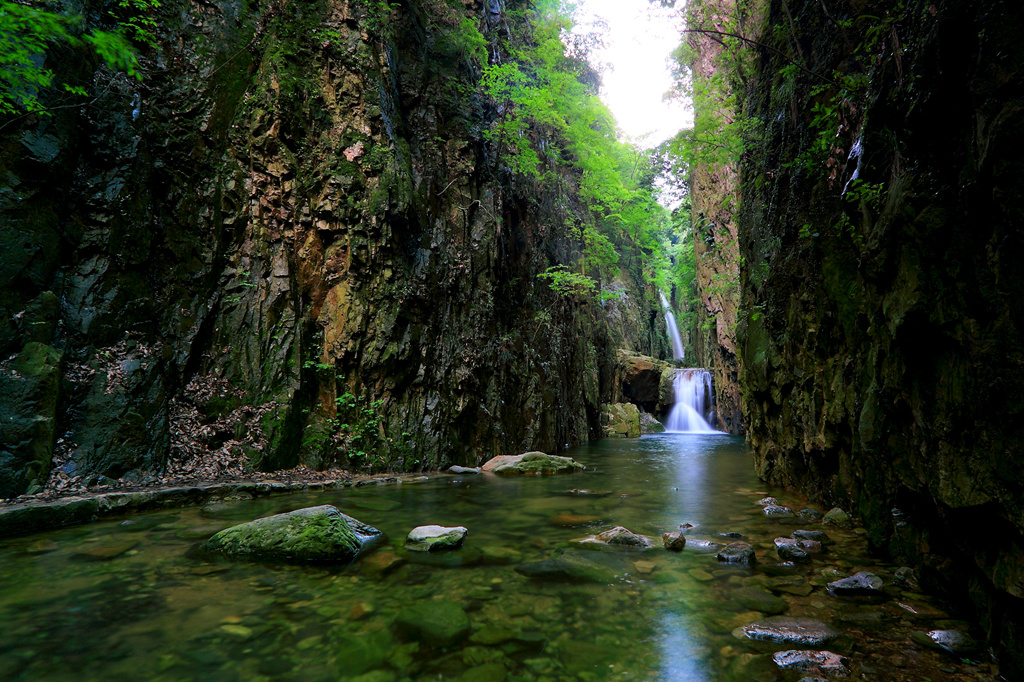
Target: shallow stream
{"type": "Point", "coordinates": [128, 599]}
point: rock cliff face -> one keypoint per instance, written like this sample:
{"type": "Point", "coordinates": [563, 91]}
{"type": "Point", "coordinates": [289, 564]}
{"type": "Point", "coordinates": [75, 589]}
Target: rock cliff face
{"type": "Point", "coordinates": [289, 244]}
{"type": "Point", "coordinates": [881, 235]}
{"type": "Point", "coordinates": [714, 187]}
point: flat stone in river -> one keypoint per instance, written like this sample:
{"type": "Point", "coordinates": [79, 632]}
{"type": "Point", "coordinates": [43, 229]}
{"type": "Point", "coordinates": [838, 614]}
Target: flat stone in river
{"type": "Point", "coordinates": [860, 584]}
{"type": "Point", "coordinates": [824, 662]}
{"type": "Point", "coordinates": [790, 630]}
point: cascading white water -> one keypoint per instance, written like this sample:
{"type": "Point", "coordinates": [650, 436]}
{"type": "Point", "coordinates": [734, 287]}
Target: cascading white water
{"type": "Point", "coordinates": [692, 388]}
{"type": "Point", "coordinates": [673, 330]}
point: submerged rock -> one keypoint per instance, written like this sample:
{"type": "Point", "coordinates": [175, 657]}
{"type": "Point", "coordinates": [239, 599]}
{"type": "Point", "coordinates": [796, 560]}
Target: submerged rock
{"type": "Point", "coordinates": [768, 502]}
{"type": "Point", "coordinates": [573, 520]}
{"type": "Point", "coordinates": [439, 623]}
{"type": "Point", "coordinates": [812, 661]}
{"type": "Point", "coordinates": [758, 599]}
{"type": "Point", "coordinates": [313, 534]}
{"type": "Point", "coordinates": [741, 553]}
{"type": "Point", "coordinates": [569, 568]}
{"type": "Point", "coordinates": [837, 518]}
{"type": "Point", "coordinates": [790, 630]}
{"type": "Point", "coordinates": [497, 555]}
{"type": "Point", "coordinates": [531, 463]}
{"type": "Point", "coordinates": [859, 584]}
{"type": "Point", "coordinates": [435, 538]}
{"type": "Point", "coordinates": [674, 541]}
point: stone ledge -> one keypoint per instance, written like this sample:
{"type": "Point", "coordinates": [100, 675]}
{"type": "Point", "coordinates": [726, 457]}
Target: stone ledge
{"type": "Point", "coordinates": [33, 517]}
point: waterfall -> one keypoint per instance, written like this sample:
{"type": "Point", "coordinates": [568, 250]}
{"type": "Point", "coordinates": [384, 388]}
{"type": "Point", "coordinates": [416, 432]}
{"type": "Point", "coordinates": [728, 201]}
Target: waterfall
{"type": "Point", "coordinates": [673, 330]}
{"type": "Point", "coordinates": [692, 388]}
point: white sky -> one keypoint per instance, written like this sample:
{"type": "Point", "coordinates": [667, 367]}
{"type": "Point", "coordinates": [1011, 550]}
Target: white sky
{"type": "Point", "coordinates": [639, 41]}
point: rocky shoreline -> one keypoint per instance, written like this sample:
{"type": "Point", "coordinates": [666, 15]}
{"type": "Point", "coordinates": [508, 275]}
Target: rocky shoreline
{"type": "Point", "coordinates": [24, 516]}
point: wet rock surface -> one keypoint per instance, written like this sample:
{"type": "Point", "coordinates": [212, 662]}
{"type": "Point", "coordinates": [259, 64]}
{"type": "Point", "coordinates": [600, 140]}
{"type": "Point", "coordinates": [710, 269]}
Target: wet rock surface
{"type": "Point", "coordinates": [435, 538]}
{"type": "Point", "coordinates": [674, 541]}
{"type": "Point", "coordinates": [951, 641]}
{"type": "Point", "coordinates": [776, 511]}
{"type": "Point", "coordinates": [740, 553]}
{"type": "Point", "coordinates": [860, 584]}
{"type": "Point", "coordinates": [798, 551]}
{"type": "Point", "coordinates": [623, 537]}
{"type": "Point", "coordinates": [790, 631]}
{"type": "Point", "coordinates": [825, 662]}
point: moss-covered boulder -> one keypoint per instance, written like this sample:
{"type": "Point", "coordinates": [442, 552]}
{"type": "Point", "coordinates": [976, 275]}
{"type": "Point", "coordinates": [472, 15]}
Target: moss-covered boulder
{"type": "Point", "coordinates": [312, 535]}
{"type": "Point", "coordinates": [531, 463]}
{"type": "Point", "coordinates": [29, 390]}
{"type": "Point", "coordinates": [620, 420]}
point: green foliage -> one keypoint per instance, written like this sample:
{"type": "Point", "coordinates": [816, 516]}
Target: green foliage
{"type": "Point", "coordinates": [380, 18]}
{"type": "Point", "coordinates": [567, 283]}
{"type": "Point", "coordinates": [464, 41]}
{"type": "Point", "coordinates": [357, 426]}
{"type": "Point", "coordinates": [555, 127]}
{"type": "Point", "coordinates": [31, 32]}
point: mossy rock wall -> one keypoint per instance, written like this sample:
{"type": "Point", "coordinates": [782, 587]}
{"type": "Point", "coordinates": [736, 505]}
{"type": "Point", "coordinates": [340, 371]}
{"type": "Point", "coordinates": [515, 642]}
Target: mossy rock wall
{"type": "Point", "coordinates": [298, 203]}
{"type": "Point", "coordinates": [883, 371]}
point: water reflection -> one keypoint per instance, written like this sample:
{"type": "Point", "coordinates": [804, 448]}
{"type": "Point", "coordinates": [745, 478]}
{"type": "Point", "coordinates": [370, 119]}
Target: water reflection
{"type": "Point", "coordinates": [116, 600]}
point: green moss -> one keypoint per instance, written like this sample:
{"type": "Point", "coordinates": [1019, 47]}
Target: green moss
{"type": "Point", "coordinates": [316, 534]}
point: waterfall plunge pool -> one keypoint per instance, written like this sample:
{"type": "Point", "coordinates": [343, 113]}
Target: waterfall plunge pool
{"type": "Point", "coordinates": [126, 600]}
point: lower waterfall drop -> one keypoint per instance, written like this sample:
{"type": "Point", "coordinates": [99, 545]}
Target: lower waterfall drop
{"type": "Point", "coordinates": [692, 388]}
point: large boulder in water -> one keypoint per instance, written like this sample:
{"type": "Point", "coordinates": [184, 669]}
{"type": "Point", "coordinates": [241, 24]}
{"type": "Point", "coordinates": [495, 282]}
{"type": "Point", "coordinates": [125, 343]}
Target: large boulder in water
{"type": "Point", "coordinates": [620, 420]}
{"type": "Point", "coordinates": [531, 463]}
{"type": "Point", "coordinates": [311, 535]}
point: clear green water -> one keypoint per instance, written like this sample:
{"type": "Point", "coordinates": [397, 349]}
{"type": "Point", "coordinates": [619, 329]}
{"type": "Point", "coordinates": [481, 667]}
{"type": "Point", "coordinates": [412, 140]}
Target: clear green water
{"type": "Point", "coordinates": [128, 601]}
